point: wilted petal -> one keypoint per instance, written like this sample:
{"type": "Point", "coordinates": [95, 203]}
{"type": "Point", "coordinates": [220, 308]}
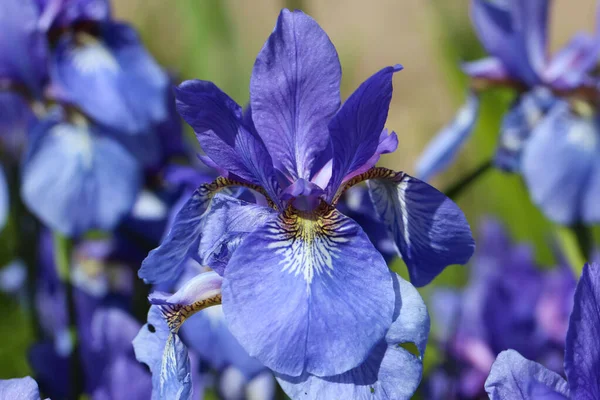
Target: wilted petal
{"type": "Point", "coordinates": [23, 48]}
{"type": "Point", "coordinates": [76, 179]}
{"type": "Point", "coordinates": [570, 66]}
{"type": "Point", "coordinates": [518, 124]}
{"type": "Point", "coordinates": [308, 266]}
{"type": "Point", "coordinates": [166, 356]}
{"type": "Point", "coordinates": [294, 91]}
{"type": "Point", "coordinates": [515, 377]}
{"type": "Point", "coordinates": [356, 129]}
{"type": "Point", "coordinates": [390, 371]}
{"type": "Point", "coordinates": [226, 223]}
{"type": "Point", "coordinates": [429, 229]}
{"type": "Point", "coordinates": [112, 78]}
{"type": "Point", "coordinates": [19, 388]}
{"type": "Point", "coordinates": [217, 121]}
{"type": "Point", "coordinates": [569, 144]}
{"type": "Point", "coordinates": [440, 152]}
{"type": "Point", "coordinates": [582, 352]}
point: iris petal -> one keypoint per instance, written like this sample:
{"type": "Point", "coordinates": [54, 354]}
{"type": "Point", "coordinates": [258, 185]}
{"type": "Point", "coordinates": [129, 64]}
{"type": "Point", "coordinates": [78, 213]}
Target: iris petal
{"type": "Point", "coordinates": [4, 202]}
{"type": "Point", "coordinates": [515, 377]}
{"type": "Point", "coordinates": [20, 388]}
{"type": "Point", "coordinates": [225, 225]}
{"type": "Point", "coordinates": [582, 352]}
{"type": "Point", "coordinates": [569, 144]}
{"type": "Point", "coordinates": [113, 78]}
{"type": "Point", "coordinates": [356, 129]}
{"type": "Point", "coordinates": [569, 67]}
{"type": "Point", "coordinates": [429, 229]}
{"type": "Point", "coordinates": [75, 179]}
{"type": "Point", "coordinates": [166, 356]}
{"type": "Point", "coordinates": [294, 91]}
{"type": "Point", "coordinates": [217, 121]}
{"type": "Point", "coordinates": [442, 150]}
{"type": "Point", "coordinates": [488, 68]}
{"type": "Point", "coordinates": [298, 278]}
{"type": "Point", "coordinates": [390, 371]}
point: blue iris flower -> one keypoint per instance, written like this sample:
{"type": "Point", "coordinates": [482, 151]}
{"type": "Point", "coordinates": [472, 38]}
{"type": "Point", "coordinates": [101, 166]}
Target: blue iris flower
{"type": "Point", "coordinates": [514, 33]}
{"type": "Point", "coordinates": [76, 177]}
{"type": "Point", "coordinates": [493, 313]}
{"type": "Point", "coordinates": [295, 270]}
{"type": "Point", "coordinates": [19, 388]}
{"type": "Point", "coordinates": [515, 377]}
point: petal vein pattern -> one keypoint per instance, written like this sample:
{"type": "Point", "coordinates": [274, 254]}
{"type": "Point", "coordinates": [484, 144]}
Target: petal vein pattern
{"type": "Point", "coordinates": [308, 242]}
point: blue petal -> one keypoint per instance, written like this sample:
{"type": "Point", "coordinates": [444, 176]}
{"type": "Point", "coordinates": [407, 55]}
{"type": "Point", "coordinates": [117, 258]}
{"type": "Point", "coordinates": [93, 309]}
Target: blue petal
{"type": "Point", "coordinates": [294, 91]}
{"type": "Point", "coordinates": [429, 229]}
{"type": "Point", "coordinates": [207, 334]}
{"type": "Point", "coordinates": [23, 48]}
{"type": "Point", "coordinates": [390, 371]}
{"type": "Point", "coordinates": [225, 224]}
{"type": "Point", "coordinates": [569, 68]}
{"type": "Point", "coordinates": [517, 125]}
{"type": "Point", "coordinates": [515, 377]}
{"type": "Point", "coordinates": [112, 78]}
{"type": "Point", "coordinates": [166, 356]}
{"type": "Point", "coordinates": [487, 68]}
{"type": "Point", "coordinates": [16, 120]}
{"type": "Point", "coordinates": [569, 144]}
{"type": "Point", "coordinates": [166, 262]}
{"type": "Point", "coordinates": [515, 33]}
{"type": "Point", "coordinates": [218, 123]}
{"type": "Point", "coordinates": [124, 379]}
{"type": "Point", "coordinates": [440, 152]}
{"type": "Point", "coordinates": [62, 14]}
{"type": "Point", "coordinates": [294, 280]}
{"type": "Point", "coordinates": [4, 199]}
{"type": "Point", "coordinates": [76, 180]}
{"type": "Point", "coordinates": [582, 352]}
{"type": "Point", "coordinates": [19, 388]}
{"type": "Point", "coordinates": [356, 128]}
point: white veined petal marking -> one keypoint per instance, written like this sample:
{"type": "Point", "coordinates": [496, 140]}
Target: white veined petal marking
{"type": "Point", "coordinates": [92, 56]}
{"type": "Point", "coordinates": [308, 242]}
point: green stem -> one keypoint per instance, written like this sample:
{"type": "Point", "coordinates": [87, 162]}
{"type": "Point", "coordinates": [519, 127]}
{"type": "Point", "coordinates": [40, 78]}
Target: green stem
{"type": "Point", "coordinates": [62, 258]}
{"type": "Point", "coordinates": [585, 239]}
{"type": "Point", "coordinates": [459, 187]}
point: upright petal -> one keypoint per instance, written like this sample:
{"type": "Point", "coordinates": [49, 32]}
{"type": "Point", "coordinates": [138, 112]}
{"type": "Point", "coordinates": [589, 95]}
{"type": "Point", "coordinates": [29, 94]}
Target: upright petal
{"type": "Point", "coordinates": [225, 225]}
{"type": "Point", "coordinates": [429, 229]}
{"type": "Point", "coordinates": [570, 66]}
{"type": "Point", "coordinates": [75, 179]}
{"type": "Point", "coordinates": [217, 121]}
{"type": "Point", "coordinates": [112, 78]}
{"type": "Point", "coordinates": [569, 144]}
{"type": "Point", "coordinates": [582, 352]}
{"type": "Point", "coordinates": [390, 371]}
{"type": "Point", "coordinates": [356, 128]}
{"type": "Point", "coordinates": [62, 14]}
{"type": "Point", "coordinates": [294, 280]}
{"type": "Point", "coordinates": [294, 91]}
{"type": "Point", "coordinates": [442, 150]}
{"type": "Point", "coordinates": [19, 388]}
{"type": "Point", "coordinates": [166, 356]}
{"type": "Point", "coordinates": [513, 35]}
{"type": "Point", "coordinates": [23, 48]}
{"type": "Point", "coordinates": [515, 377]}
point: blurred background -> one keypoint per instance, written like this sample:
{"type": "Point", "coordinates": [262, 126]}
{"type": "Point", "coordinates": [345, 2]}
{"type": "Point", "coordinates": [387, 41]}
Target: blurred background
{"type": "Point", "coordinates": [217, 40]}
